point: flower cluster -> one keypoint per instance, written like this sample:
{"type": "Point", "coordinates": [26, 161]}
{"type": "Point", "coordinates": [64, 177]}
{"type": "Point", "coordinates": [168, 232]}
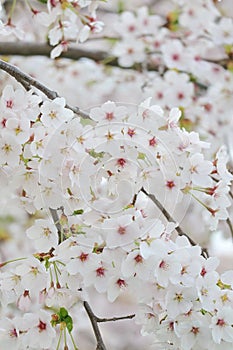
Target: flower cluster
{"type": "Point", "coordinates": [104, 166]}
{"type": "Point", "coordinates": [190, 306]}
{"type": "Point", "coordinates": [65, 22]}
{"type": "Point", "coordinates": [104, 180]}
{"type": "Point", "coordinates": [181, 40]}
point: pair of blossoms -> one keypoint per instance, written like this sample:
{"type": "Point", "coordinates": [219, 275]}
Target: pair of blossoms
{"type": "Point", "coordinates": [113, 237]}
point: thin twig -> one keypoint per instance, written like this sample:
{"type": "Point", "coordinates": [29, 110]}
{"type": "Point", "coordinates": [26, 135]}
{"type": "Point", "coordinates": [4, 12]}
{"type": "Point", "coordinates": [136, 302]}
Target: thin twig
{"type": "Point", "coordinates": [230, 226]}
{"type": "Point", "coordinates": [57, 223]}
{"type": "Point", "coordinates": [128, 317]}
{"type": "Point", "coordinates": [170, 219]}
{"type": "Point", "coordinates": [94, 322]}
{"type": "Point", "coordinates": [27, 81]}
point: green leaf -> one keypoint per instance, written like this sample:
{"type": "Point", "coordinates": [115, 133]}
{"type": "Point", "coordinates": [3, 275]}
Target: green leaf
{"type": "Point", "coordinates": [228, 49]}
{"type": "Point", "coordinates": [95, 154]}
{"type": "Point", "coordinates": [204, 312]}
{"type": "Point", "coordinates": [141, 155]}
{"type": "Point", "coordinates": [47, 264]}
{"type": "Point", "coordinates": [63, 313]}
{"type": "Point", "coordinates": [69, 323]}
{"type": "Point", "coordinates": [78, 212]}
{"type": "Point", "coordinates": [222, 285]}
{"type": "Point", "coordinates": [120, 7]}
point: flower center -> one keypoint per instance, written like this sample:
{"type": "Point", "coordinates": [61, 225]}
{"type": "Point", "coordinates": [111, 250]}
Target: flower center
{"type": "Point", "coordinates": [100, 272]}
{"type": "Point", "coordinates": [170, 184]}
{"type": "Point", "coordinates": [42, 326]}
{"type": "Point", "coordinates": [220, 322]}
{"type": "Point", "coordinates": [121, 230]}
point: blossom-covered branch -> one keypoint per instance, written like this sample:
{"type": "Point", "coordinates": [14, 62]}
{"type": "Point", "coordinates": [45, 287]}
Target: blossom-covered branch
{"type": "Point", "coordinates": [24, 78]}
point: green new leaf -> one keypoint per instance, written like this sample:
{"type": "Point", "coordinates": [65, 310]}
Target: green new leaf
{"type": "Point", "coordinates": [63, 313]}
{"type": "Point", "coordinates": [141, 155]}
{"type": "Point", "coordinates": [120, 7]}
{"type": "Point", "coordinates": [95, 154]}
{"type": "Point", "coordinates": [69, 323]}
{"type": "Point", "coordinates": [78, 212]}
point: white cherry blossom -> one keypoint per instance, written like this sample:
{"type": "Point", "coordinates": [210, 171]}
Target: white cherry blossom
{"type": "Point", "coordinates": [54, 112]}
{"type": "Point", "coordinates": [221, 325]}
{"type": "Point", "coordinates": [44, 234]}
{"type": "Point", "coordinates": [10, 150]}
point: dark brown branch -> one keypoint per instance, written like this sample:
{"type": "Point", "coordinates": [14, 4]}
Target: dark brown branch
{"type": "Point", "coordinates": [32, 49]}
{"type": "Point", "coordinates": [170, 219]}
{"type": "Point", "coordinates": [27, 81]}
{"type": "Point", "coordinates": [231, 195]}
{"type": "Point", "coordinates": [44, 49]}
{"type": "Point", "coordinates": [94, 322]}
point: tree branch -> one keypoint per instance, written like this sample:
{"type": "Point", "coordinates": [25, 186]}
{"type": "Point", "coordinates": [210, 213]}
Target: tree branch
{"type": "Point", "coordinates": [230, 226]}
{"type": "Point", "coordinates": [44, 49]}
{"type": "Point", "coordinates": [94, 322]}
{"type": "Point", "coordinates": [231, 195]}
{"type": "Point", "coordinates": [26, 81]}
{"type": "Point", "coordinates": [56, 223]}
{"type": "Point", "coordinates": [128, 317]}
{"type": "Point", "coordinates": [170, 219]}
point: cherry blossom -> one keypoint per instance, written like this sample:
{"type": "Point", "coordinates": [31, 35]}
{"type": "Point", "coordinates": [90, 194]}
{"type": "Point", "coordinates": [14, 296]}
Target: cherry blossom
{"type": "Point", "coordinates": [10, 334]}
{"type": "Point", "coordinates": [54, 113]}
{"type": "Point", "coordinates": [10, 150]}
{"type": "Point", "coordinates": [44, 235]}
{"type": "Point", "coordinates": [174, 54]}
{"type": "Point", "coordinates": [38, 331]}
{"type": "Point", "coordinates": [193, 331]}
{"type": "Point", "coordinates": [221, 325]}
{"type": "Point", "coordinates": [108, 112]}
